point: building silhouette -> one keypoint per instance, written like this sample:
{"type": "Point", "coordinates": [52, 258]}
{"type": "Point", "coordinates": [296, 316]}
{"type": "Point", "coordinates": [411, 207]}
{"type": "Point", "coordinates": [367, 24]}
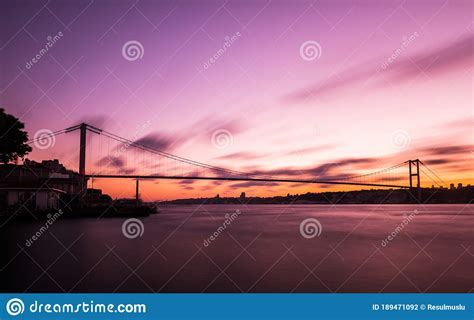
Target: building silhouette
{"type": "Point", "coordinates": [35, 185]}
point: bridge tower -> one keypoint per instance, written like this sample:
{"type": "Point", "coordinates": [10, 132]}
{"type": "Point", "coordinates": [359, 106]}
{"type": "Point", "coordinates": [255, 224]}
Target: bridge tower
{"type": "Point", "coordinates": [137, 194]}
{"type": "Point", "coordinates": [83, 127]}
{"type": "Point", "coordinates": [82, 156]}
{"type": "Point", "coordinates": [415, 164]}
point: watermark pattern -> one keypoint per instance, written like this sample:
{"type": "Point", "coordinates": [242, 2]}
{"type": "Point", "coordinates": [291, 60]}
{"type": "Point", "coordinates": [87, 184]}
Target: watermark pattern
{"type": "Point", "coordinates": [310, 50]}
{"type": "Point", "coordinates": [51, 42]}
{"type": "Point", "coordinates": [126, 145]}
{"type": "Point", "coordinates": [394, 56]}
{"type": "Point", "coordinates": [228, 41]}
{"type": "Point", "coordinates": [400, 139]}
{"type": "Point", "coordinates": [310, 228]}
{"type": "Point", "coordinates": [51, 219]}
{"type": "Point", "coordinates": [44, 139]}
{"type": "Point", "coordinates": [229, 218]}
{"type": "Point", "coordinates": [406, 220]}
{"type": "Point", "coordinates": [132, 228]}
{"type": "Point", "coordinates": [222, 138]}
{"type": "Point", "coordinates": [15, 307]}
{"type": "Point", "coordinates": [133, 50]}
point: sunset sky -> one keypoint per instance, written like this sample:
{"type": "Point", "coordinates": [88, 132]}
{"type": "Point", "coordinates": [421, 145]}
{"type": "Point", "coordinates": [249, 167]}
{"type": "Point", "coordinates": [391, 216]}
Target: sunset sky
{"type": "Point", "coordinates": [380, 83]}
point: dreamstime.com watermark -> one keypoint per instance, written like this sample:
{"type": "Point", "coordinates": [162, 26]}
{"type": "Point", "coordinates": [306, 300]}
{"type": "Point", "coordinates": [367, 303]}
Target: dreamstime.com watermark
{"type": "Point", "coordinates": [133, 50]}
{"type": "Point", "coordinates": [51, 42]}
{"type": "Point", "coordinates": [15, 307]}
{"type": "Point", "coordinates": [400, 139]}
{"type": "Point", "coordinates": [44, 139]}
{"type": "Point", "coordinates": [52, 218]}
{"type": "Point", "coordinates": [406, 220]}
{"type": "Point", "coordinates": [132, 228]}
{"type": "Point", "coordinates": [228, 41]}
{"type": "Point", "coordinates": [126, 145]}
{"type": "Point", "coordinates": [394, 56]}
{"type": "Point", "coordinates": [310, 228]}
{"type": "Point", "coordinates": [222, 138]}
{"type": "Point", "coordinates": [310, 50]}
{"type": "Point", "coordinates": [229, 218]}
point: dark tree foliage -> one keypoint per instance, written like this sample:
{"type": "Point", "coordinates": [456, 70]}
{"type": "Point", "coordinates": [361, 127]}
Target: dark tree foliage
{"type": "Point", "coordinates": [12, 138]}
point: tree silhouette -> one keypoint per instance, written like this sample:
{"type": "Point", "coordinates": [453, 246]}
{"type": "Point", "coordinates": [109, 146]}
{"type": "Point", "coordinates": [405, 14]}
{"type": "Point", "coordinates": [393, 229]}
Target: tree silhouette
{"type": "Point", "coordinates": [12, 138]}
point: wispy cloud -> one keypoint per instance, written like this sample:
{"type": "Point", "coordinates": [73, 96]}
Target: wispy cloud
{"type": "Point", "coordinates": [243, 155]}
{"type": "Point", "coordinates": [114, 162]}
{"type": "Point", "coordinates": [249, 184]}
{"type": "Point", "coordinates": [157, 141]}
{"type": "Point", "coordinates": [310, 150]}
{"type": "Point", "coordinates": [97, 121]}
{"type": "Point", "coordinates": [432, 61]}
{"type": "Point", "coordinates": [459, 124]}
{"type": "Point", "coordinates": [198, 130]}
{"type": "Point", "coordinates": [325, 170]}
{"type": "Point", "coordinates": [186, 182]}
{"type": "Point", "coordinates": [449, 150]}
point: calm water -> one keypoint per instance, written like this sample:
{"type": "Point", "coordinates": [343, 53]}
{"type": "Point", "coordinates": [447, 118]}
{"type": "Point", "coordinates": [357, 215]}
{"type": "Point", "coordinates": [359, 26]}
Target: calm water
{"type": "Point", "coordinates": [261, 250]}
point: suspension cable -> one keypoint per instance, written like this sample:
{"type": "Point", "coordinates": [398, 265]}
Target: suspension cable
{"type": "Point", "coordinates": [372, 173]}
{"type": "Point", "coordinates": [442, 181]}
{"type": "Point", "coordinates": [47, 136]}
{"type": "Point", "coordinates": [169, 155]}
{"type": "Point", "coordinates": [154, 150]}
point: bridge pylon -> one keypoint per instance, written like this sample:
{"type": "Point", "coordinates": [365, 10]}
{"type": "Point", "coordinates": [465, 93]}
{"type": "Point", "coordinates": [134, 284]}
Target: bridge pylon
{"type": "Point", "coordinates": [83, 127]}
{"type": "Point", "coordinates": [82, 156]}
{"type": "Point", "coordinates": [415, 164]}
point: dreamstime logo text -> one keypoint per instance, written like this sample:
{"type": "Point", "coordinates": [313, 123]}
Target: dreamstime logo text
{"type": "Point", "coordinates": [126, 145]}
{"type": "Point", "coordinates": [400, 139]}
{"type": "Point", "coordinates": [310, 50]}
{"type": "Point", "coordinates": [310, 228]}
{"type": "Point", "coordinates": [15, 307]}
{"type": "Point", "coordinates": [51, 42]}
{"type": "Point", "coordinates": [228, 41]}
{"type": "Point", "coordinates": [406, 220]}
{"type": "Point", "coordinates": [229, 218]}
{"type": "Point", "coordinates": [222, 139]}
{"type": "Point", "coordinates": [51, 219]}
{"type": "Point", "coordinates": [132, 228]}
{"type": "Point", "coordinates": [44, 139]}
{"type": "Point", "coordinates": [394, 56]}
{"type": "Point", "coordinates": [133, 50]}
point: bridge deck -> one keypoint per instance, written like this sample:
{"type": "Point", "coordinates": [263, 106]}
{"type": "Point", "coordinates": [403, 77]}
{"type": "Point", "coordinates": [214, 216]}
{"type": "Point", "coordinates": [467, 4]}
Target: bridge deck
{"type": "Point", "coordinates": [105, 176]}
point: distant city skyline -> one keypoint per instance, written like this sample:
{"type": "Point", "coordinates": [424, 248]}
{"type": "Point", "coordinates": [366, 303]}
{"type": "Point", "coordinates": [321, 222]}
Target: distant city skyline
{"type": "Point", "coordinates": [256, 87]}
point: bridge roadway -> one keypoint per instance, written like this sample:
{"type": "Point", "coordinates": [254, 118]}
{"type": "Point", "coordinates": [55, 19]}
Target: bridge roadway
{"type": "Point", "coordinates": [138, 177]}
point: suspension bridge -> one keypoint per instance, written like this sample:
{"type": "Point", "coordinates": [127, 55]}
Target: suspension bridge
{"type": "Point", "coordinates": [120, 158]}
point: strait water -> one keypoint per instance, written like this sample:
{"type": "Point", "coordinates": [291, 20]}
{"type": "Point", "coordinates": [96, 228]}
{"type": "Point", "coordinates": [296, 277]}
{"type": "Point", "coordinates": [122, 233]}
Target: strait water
{"type": "Point", "coordinates": [262, 249]}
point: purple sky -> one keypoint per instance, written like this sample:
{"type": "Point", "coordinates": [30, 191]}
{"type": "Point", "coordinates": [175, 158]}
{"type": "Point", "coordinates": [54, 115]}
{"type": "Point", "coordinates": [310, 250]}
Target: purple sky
{"type": "Point", "coordinates": [385, 70]}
